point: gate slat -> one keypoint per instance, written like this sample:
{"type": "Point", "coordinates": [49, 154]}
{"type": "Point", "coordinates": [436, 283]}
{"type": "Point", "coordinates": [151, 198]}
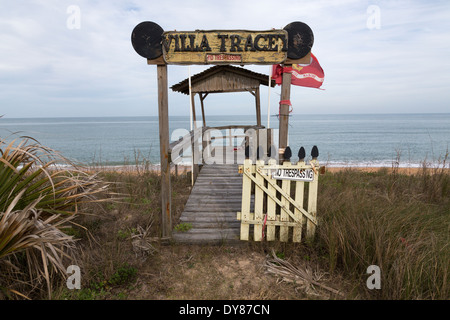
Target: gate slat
{"type": "Point", "coordinates": [286, 187]}
{"type": "Point", "coordinates": [312, 203]}
{"type": "Point", "coordinates": [299, 198]}
{"type": "Point", "coordinates": [271, 207]}
{"type": "Point", "coordinates": [246, 198]}
{"type": "Point", "coordinates": [259, 198]}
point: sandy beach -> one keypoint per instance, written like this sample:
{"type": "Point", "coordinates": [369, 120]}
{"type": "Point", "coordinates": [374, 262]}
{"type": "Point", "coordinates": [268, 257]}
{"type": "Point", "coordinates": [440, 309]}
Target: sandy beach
{"type": "Point", "coordinates": [401, 170]}
{"type": "Point", "coordinates": [184, 169]}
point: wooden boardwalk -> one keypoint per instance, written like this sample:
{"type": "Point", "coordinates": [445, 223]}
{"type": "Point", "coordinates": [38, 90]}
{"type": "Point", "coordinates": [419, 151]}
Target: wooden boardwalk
{"type": "Point", "coordinates": [212, 207]}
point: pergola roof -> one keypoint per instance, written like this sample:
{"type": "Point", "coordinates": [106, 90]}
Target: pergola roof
{"type": "Point", "coordinates": [223, 78]}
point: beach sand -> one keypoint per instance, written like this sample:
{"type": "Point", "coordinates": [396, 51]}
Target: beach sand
{"type": "Point", "coordinates": [185, 169]}
{"type": "Point", "coordinates": [401, 170]}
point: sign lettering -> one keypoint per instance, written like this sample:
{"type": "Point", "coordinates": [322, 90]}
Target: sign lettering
{"type": "Point", "coordinates": [293, 174]}
{"type": "Point", "coordinates": [239, 47]}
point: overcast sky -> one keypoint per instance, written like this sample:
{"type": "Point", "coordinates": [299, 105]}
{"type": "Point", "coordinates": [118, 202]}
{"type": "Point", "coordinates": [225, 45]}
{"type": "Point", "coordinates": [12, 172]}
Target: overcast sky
{"type": "Point", "coordinates": [378, 56]}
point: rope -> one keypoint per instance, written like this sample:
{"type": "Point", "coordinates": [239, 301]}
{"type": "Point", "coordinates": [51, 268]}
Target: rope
{"type": "Point", "coordinates": [285, 102]}
{"type": "Point", "coordinates": [288, 102]}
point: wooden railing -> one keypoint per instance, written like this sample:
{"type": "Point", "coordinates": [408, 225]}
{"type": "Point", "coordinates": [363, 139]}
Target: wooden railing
{"type": "Point", "coordinates": [221, 144]}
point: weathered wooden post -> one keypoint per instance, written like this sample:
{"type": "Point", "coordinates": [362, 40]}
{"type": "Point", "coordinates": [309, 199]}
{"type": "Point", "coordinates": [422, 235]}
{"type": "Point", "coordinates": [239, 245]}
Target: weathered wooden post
{"type": "Point", "coordinates": [146, 40]}
{"type": "Point", "coordinates": [284, 112]}
{"type": "Point", "coordinates": [163, 112]}
{"type": "Point", "coordinates": [300, 42]}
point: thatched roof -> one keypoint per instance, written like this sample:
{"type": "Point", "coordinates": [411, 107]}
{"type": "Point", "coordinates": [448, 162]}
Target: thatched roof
{"type": "Point", "coordinates": [223, 78]}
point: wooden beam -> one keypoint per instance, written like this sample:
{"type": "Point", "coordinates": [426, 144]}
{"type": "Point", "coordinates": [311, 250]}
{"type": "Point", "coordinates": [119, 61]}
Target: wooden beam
{"type": "Point", "coordinates": [305, 60]}
{"type": "Point", "coordinates": [284, 111]}
{"type": "Point", "coordinates": [163, 112]}
{"type": "Point", "coordinates": [157, 61]}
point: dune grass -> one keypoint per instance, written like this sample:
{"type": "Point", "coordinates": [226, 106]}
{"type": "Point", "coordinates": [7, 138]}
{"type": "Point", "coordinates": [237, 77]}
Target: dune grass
{"type": "Point", "coordinates": [400, 223]}
{"type": "Point", "coordinates": [395, 221]}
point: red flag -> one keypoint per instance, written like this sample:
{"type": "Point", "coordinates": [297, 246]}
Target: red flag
{"type": "Point", "coordinates": [309, 75]}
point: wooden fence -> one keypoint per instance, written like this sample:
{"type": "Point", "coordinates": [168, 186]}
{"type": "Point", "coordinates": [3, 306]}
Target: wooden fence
{"type": "Point", "coordinates": [284, 199]}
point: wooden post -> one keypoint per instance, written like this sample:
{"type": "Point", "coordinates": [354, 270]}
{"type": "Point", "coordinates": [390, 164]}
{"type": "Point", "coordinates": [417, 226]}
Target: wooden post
{"type": "Point", "coordinates": [284, 111]}
{"type": "Point", "coordinates": [193, 111]}
{"type": "Point", "coordinates": [195, 154]}
{"type": "Point", "coordinates": [163, 112]}
{"type": "Point", "coordinates": [258, 107]}
{"type": "Point", "coordinates": [204, 144]}
{"type": "Point", "coordinates": [202, 97]}
{"type": "Point", "coordinates": [194, 150]}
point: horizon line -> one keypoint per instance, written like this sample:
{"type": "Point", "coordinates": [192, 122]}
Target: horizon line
{"type": "Point", "coordinates": [220, 115]}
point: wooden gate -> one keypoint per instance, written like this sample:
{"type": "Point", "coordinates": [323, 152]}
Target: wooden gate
{"type": "Point", "coordinates": [284, 198]}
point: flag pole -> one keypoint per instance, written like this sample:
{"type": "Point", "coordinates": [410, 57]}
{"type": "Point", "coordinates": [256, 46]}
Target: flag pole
{"type": "Point", "coordinates": [190, 124]}
{"type": "Point", "coordinates": [268, 103]}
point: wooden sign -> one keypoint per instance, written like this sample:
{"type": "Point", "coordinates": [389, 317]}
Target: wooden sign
{"type": "Point", "coordinates": [296, 174]}
{"type": "Point", "coordinates": [225, 47]}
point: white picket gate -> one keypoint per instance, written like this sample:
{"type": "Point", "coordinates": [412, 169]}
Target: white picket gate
{"type": "Point", "coordinates": [285, 198]}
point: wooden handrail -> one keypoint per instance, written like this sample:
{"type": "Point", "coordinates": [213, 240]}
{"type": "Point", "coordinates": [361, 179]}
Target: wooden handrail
{"type": "Point", "coordinates": [188, 138]}
{"type": "Point", "coordinates": [246, 127]}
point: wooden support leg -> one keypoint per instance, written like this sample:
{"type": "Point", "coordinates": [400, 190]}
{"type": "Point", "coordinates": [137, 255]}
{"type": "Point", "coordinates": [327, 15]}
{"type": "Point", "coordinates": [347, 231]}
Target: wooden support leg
{"type": "Point", "coordinates": [284, 111]}
{"type": "Point", "coordinates": [163, 110]}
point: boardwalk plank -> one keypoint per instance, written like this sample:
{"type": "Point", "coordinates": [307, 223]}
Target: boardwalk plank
{"type": "Point", "coordinates": [212, 207]}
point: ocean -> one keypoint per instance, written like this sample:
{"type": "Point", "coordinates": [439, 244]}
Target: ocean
{"type": "Point", "coordinates": [372, 140]}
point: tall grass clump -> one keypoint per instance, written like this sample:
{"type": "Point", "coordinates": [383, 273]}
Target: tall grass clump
{"type": "Point", "coordinates": [40, 193]}
{"type": "Point", "coordinates": [395, 221]}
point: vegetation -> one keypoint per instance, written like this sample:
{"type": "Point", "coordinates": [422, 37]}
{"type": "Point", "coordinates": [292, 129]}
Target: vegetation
{"type": "Point", "coordinates": [38, 199]}
{"type": "Point", "coordinates": [399, 222]}
{"type": "Point", "coordinates": [183, 227]}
